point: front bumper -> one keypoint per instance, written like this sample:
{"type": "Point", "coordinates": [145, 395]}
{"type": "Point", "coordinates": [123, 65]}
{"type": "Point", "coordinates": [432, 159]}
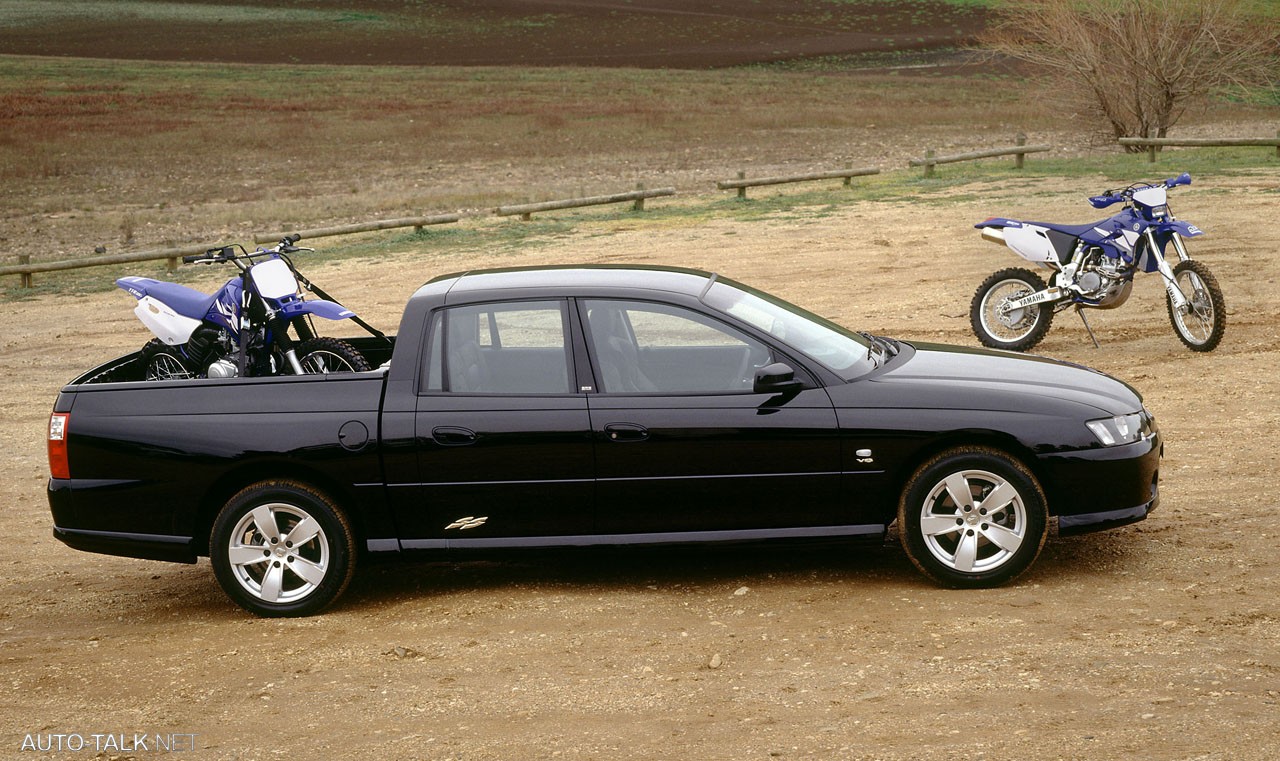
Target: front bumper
{"type": "Point", "coordinates": [1069, 525]}
{"type": "Point", "coordinates": [1102, 487]}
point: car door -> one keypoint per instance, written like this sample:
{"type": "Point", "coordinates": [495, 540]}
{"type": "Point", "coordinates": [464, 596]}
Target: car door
{"type": "Point", "coordinates": [501, 431]}
{"type": "Point", "coordinates": [683, 443]}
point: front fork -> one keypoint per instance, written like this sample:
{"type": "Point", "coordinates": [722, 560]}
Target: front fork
{"type": "Point", "coordinates": [280, 330]}
{"type": "Point", "coordinates": [1176, 297]}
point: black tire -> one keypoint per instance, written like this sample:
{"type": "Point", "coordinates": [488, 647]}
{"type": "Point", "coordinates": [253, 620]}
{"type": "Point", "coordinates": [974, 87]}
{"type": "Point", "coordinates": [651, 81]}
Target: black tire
{"type": "Point", "coordinates": [259, 564]}
{"type": "Point", "coordinates": [1201, 328]}
{"type": "Point", "coordinates": [330, 355]}
{"type": "Point", "coordinates": [971, 543]}
{"type": "Point", "coordinates": [160, 361]}
{"type": "Point", "coordinates": [1019, 330]}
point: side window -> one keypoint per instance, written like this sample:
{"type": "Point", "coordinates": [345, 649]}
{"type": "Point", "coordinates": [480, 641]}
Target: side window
{"type": "Point", "coordinates": [508, 348]}
{"type": "Point", "coordinates": [641, 347]}
{"type": "Point", "coordinates": [435, 355]}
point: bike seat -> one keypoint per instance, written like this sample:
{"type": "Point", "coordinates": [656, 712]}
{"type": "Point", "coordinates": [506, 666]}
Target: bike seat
{"type": "Point", "coordinates": [1073, 230]}
{"type": "Point", "coordinates": [187, 302]}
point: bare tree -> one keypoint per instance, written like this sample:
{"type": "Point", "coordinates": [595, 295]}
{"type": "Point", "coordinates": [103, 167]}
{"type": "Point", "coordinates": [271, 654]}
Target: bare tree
{"type": "Point", "coordinates": [1139, 63]}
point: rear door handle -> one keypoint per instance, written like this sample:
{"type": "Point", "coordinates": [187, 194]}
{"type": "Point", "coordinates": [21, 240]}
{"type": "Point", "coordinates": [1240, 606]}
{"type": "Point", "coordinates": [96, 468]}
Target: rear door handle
{"type": "Point", "coordinates": [624, 432]}
{"type": "Point", "coordinates": [452, 436]}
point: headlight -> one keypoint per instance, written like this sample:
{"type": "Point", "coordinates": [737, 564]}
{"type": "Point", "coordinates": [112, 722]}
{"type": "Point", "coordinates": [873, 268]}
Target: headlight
{"type": "Point", "coordinates": [1121, 429]}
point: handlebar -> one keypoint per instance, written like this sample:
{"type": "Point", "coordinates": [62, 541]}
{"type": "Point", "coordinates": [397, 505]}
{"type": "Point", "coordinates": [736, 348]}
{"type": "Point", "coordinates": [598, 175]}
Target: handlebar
{"type": "Point", "coordinates": [1110, 197]}
{"type": "Point", "coordinates": [223, 254]}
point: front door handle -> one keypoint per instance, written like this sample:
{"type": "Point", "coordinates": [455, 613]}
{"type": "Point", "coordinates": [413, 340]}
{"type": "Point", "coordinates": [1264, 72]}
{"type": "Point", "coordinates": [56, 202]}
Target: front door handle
{"type": "Point", "coordinates": [624, 432]}
{"type": "Point", "coordinates": [452, 436]}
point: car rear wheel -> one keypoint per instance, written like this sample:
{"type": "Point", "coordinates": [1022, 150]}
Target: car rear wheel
{"type": "Point", "coordinates": [281, 548]}
{"type": "Point", "coordinates": [972, 517]}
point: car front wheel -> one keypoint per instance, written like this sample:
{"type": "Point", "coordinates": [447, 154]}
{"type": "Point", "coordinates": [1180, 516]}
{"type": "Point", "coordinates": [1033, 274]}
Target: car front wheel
{"type": "Point", "coordinates": [281, 548]}
{"type": "Point", "coordinates": [972, 517]}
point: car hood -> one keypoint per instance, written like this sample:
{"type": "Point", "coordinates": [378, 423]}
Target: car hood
{"type": "Point", "coordinates": [958, 377]}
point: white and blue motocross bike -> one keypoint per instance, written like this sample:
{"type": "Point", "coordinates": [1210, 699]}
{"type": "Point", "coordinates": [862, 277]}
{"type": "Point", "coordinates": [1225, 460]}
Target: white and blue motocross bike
{"type": "Point", "coordinates": [243, 329]}
{"type": "Point", "coordinates": [1093, 267]}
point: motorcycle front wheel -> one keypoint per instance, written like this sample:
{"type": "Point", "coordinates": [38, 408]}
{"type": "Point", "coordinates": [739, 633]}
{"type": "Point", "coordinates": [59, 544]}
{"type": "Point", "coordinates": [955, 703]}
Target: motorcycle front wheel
{"type": "Point", "coordinates": [1017, 329]}
{"type": "Point", "coordinates": [330, 355]}
{"type": "Point", "coordinates": [1202, 322]}
{"type": "Point", "coordinates": [160, 361]}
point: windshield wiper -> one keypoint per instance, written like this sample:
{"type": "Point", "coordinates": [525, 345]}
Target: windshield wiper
{"type": "Point", "coordinates": [875, 350]}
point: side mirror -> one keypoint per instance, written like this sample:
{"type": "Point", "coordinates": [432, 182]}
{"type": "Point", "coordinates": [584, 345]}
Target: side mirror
{"type": "Point", "coordinates": [776, 378]}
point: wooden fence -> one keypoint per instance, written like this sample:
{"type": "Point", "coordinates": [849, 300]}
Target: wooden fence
{"type": "Point", "coordinates": [1018, 151]}
{"type": "Point", "coordinates": [637, 196]}
{"type": "Point", "coordinates": [847, 174]}
{"type": "Point", "coordinates": [25, 268]}
{"type": "Point", "coordinates": [417, 223]}
{"type": "Point", "coordinates": [1153, 144]}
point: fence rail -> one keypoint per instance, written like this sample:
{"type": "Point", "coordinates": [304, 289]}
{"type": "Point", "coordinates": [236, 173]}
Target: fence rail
{"type": "Point", "coordinates": [1152, 144]}
{"type": "Point", "coordinates": [847, 174]}
{"type": "Point", "coordinates": [26, 268]}
{"type": "Point", "coordinates": [1018, 151]}
{"type": "Point", "coordinates": [363, 227]}
{"type": "Point", "coordinates": [637, 196]}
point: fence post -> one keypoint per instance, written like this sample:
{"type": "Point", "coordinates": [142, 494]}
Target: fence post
{"type": "Point", "coordinates": [171, 264]}
{"type": "Point", "coordinates": [848, 181]}
{"type": "Point", "coordinates": [1021, 139]}
{"type": "Point", "coordinates": [639, 204]}
{"type": "Point", "coordinates": [1278, 144]}
{"type": "Point", "coordinates": [742, 191]}
{"type": "Point", "coordinates": [26, 276]}
{"type": "Point", "coordinates": [928, 163]}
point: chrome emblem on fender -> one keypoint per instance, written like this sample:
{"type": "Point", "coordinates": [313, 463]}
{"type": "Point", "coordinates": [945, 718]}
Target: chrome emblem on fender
{"type": "Point", "coordinates": [463, 524]}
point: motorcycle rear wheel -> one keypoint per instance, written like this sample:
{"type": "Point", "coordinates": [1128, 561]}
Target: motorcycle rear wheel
{"type": "Point", "coordinates": [330, 355]}
{"type": "Point", "coordinates": [1018, 330]}
{"type": "Point", "coordinates": [160, 361]}
{"type": "Point", "coordinates": [1201, 327]}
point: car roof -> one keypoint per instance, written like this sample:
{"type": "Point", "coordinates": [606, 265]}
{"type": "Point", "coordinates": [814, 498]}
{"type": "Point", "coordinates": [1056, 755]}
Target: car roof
{"type": "Point", "coordinates": [673, 279]}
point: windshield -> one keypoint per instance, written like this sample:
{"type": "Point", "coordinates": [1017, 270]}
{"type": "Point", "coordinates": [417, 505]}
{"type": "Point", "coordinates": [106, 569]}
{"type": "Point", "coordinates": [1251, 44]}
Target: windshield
{"type": "Point", "coordinates": [847, 354]}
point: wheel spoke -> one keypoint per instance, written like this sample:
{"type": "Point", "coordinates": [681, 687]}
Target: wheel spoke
{"type": "Point", "coordinates": [939, 525]}
{"type": "Point", "coordinates": [999, 498]}
{"type": "Point", "coordinates": [302, 533]}
{"type": "Point", "coordinates": [966, 552]}
{"type": "Point", "coordinates": [1002, 537]}
{"type": "Point", "coordinates": [265, 520]}
{"type": "Point", "coordinates": [243, 554]}
{"type": "Point", "coordinates": [959, 490]}
{"type": "Point", "coordinates": [272, 582]}
{"type": "Point", "coordinates": [312, 573]}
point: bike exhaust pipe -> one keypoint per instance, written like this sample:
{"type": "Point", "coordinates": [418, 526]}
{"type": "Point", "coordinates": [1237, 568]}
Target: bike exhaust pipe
{"type": "Point", "coordinates": [993, 234]}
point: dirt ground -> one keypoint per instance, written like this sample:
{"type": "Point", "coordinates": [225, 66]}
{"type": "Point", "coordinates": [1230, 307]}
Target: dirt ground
{"type": "Point", "coordinates": [1155, 641]}
{"type": "Point", "coordinates": [671, 34]}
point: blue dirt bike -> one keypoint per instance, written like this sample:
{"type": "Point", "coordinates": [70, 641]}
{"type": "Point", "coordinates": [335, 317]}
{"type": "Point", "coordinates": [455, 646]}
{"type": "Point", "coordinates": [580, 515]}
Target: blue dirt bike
{"type": "Point", "coordinates": [1093, 268]}
{"type": "Point", "coordinates": [243, 329]}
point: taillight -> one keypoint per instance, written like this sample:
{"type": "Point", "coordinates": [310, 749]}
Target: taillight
{"type": "Point", "coordinates": [58, 465]}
